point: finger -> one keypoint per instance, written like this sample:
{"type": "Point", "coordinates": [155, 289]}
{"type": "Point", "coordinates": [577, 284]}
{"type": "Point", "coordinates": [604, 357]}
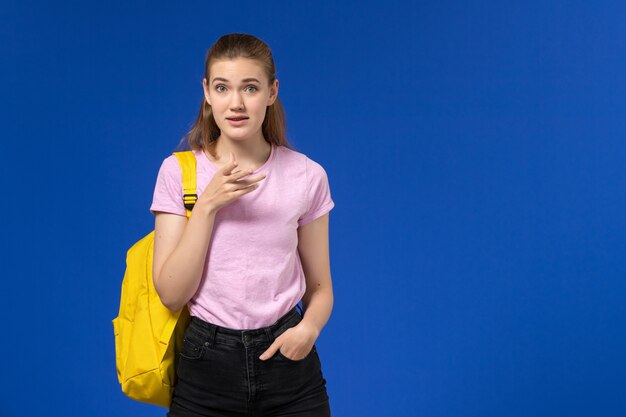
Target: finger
{"type": "Point", "coordinates": [240, 174]}
{"type": "Point", "coordinates": [232, 163]}
{"type": "Point", "coordinates": [247, 185]}
{"type": "Point", "coordinates": [270, 350]}
{"type": "Point", "coordinates": [250, 180]}
{"type": "Point", "coordinates": [241, 191]}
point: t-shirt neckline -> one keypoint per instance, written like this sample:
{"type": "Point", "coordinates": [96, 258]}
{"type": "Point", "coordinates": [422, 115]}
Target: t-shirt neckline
{"type": "Point", "coordinates": [213, 167]}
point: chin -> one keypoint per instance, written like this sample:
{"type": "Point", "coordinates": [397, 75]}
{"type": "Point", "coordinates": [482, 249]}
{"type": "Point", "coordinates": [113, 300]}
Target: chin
{"type": "Point", "coordinates": [240, 133]}
{"type": "Point", "coordinates": [237, 136]}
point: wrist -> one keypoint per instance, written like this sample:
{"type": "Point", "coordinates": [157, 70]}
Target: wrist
{"type": "Point", "coordinates": [313, 328]}
{"type": "Point", "coordinates": [206, 208]}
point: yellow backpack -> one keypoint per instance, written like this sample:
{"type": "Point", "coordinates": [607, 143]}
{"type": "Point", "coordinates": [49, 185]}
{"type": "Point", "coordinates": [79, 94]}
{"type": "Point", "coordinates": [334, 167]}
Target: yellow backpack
{"type": "Point", "coordinates": [148, 336]}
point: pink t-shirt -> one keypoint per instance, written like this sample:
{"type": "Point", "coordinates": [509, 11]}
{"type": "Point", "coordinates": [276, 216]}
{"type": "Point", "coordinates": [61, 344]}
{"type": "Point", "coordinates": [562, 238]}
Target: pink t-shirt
{"type": "Point", "coordinates": [252, 273]}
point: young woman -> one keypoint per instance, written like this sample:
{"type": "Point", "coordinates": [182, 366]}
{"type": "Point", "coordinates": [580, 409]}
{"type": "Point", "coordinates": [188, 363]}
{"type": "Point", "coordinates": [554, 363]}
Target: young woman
{"type": "Point", "coordinates": [255, 244]}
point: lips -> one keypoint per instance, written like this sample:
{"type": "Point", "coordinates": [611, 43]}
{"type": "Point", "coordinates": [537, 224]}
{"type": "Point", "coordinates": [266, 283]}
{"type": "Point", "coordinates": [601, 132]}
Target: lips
{"type": "Point", "coordinates": [237, 118]}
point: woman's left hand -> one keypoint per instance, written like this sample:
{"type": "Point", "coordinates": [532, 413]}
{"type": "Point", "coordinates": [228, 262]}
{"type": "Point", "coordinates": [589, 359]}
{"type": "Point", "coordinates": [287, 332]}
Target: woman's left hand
{"type": "Point", "coordinates": [295, 343]}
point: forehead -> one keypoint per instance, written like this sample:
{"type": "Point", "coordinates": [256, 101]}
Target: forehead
{"type": "Point", "coordinates": [237, 69]}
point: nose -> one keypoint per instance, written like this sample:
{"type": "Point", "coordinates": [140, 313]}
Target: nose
{"type": "Point", "coordinates": [236, 102]}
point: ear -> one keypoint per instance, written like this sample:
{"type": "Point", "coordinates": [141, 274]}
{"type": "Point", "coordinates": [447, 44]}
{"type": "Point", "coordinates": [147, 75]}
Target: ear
{"type": "Point", "coordinates": [273, 93]}
{"type": "Point", "coordinates": [206, 91]}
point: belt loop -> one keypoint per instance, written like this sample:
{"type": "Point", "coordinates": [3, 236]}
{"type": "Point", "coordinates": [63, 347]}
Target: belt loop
{"type": "Point", "coordinates": [270, 335]}
{"type": "Point", "coordinates": [212, 331]}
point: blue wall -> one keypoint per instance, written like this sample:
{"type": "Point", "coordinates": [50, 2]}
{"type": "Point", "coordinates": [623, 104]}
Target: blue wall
{"type": "Point", "coordinates": [476, 157]}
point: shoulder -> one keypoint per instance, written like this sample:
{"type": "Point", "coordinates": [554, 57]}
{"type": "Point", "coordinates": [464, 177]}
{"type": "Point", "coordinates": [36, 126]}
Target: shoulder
{"type": "Point", "coordinates": [295, 159]}
{"type": "Point", "coordinates": [170, 174]}
{"type": "Point", "coordinates": [288, 155]}
{"type": "Point", "coordinates": [170, 165]}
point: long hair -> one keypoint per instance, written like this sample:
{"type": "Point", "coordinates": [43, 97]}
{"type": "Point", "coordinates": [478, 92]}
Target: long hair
{"type": "Point", "coordinates": [204, 133]}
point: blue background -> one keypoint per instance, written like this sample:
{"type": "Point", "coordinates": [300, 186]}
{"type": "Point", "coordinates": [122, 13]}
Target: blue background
{"type": "Point", "coordinates": [475, 152]}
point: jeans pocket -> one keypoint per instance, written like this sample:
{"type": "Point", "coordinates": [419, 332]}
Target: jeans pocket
{"type": "Point", "coordinates": [279, 354]}
{"type": "Point", "coordinates": [192, 348]}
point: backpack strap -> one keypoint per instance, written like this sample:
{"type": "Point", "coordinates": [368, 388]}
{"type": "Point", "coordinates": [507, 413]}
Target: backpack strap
{"type": "Point", "coordinates": [187, 161]}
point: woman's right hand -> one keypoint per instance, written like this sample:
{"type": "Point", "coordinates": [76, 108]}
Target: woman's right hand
{"type": "Point", "coordinates": [226, 186]}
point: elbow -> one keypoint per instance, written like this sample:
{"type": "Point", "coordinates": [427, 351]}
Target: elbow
{"type": "Point", "coordinates": [168, 302]}
{"type": "Point", "coordinates": [172, 305]}
{"type": "Point", "coordinates": [174, 308]}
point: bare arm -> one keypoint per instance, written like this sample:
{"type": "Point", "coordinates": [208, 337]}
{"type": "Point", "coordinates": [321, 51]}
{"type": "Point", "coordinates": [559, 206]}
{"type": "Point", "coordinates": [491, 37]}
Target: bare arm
{"type": "Point", "coordinates": [318, 299]}
{"type": "Point", "coordinates": [180, 249]}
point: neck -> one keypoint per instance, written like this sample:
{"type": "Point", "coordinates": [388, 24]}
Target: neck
{"type": "Point", "coordinates": [246, 151]}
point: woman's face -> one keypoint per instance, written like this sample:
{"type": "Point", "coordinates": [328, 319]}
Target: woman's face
{"type": "Point", "coordinates": [239, 88]}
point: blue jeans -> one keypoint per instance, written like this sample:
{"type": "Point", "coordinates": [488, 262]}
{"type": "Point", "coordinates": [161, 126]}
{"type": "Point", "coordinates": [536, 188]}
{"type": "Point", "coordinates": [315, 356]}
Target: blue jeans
{"type": "Point", "coordinates": [219, 373]}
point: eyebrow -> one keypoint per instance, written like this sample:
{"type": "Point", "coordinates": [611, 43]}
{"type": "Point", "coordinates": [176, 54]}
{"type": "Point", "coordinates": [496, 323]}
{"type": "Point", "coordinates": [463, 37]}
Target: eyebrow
{"type": "Point", "coordinates": [245, 80]}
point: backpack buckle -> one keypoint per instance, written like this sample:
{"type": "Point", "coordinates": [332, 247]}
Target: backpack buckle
{"type": "Point", "coordinates": [189, 200]}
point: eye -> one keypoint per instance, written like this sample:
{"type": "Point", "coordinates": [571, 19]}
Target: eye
{"type": "Point", "coordinates": [218, 88]}
{"type": "Point", "coordinates": [251, 86]}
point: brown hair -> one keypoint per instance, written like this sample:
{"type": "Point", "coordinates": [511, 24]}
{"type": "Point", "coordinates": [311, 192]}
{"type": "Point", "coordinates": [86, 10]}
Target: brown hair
{"type": "Point", "coordinates": [204, 133]}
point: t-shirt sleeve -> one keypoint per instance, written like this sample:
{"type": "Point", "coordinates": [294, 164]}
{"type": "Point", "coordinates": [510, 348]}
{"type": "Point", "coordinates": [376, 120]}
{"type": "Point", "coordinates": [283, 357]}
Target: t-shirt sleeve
{"type": "Point", "coordinates": [318, 193]}
{"type": "Point", "coordinates": [168, 191]}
